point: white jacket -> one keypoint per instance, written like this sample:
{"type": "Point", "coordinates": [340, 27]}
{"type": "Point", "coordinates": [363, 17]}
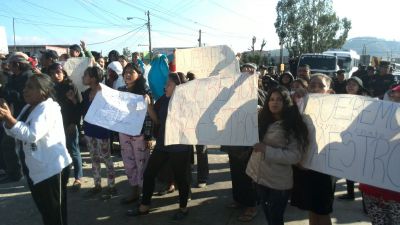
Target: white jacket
{"type": "Point", "coordinates": [273, 167]}
{"type": "Point", "coordinates": [43, 139]}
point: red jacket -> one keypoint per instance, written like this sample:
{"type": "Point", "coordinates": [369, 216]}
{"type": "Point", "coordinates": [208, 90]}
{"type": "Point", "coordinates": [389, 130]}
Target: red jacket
{"type": "Point", "coordinates": [384, 194]}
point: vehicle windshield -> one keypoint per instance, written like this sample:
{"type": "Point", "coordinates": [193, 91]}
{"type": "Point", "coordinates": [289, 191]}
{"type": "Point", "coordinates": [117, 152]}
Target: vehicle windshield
{"type": "Point", "coordinates": [345, 63]}
{"type": "Point", "coordinates": [319, 62]}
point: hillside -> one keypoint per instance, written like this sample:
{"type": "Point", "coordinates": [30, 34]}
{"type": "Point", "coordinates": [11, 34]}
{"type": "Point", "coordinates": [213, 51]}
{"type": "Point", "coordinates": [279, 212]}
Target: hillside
{"type": "Point", "coordinates": [374, 46]}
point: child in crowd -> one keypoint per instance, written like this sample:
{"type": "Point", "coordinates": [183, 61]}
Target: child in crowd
{"type": "Point", "coordinates": [97, 138]}
{"type": "Point", "coordinates": [135, 150]}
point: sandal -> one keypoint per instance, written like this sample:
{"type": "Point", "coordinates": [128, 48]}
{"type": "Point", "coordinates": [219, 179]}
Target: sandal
{"type": "Point", "coordinates": [247, 216]}
{"type": "Point", "coordinates": [137, 212]}
{"type": "Point", "coordinates": [76, 186]}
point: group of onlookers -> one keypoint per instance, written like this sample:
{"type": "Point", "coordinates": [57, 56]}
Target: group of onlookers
{"type": "Point", "coordinates": [43, 110]}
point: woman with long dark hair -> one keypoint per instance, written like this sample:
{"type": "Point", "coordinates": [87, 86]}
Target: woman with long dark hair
{"type": "Point", "coordinates": [69, 99]}
{"type": "Point", "coordinates": [283, 140]}
{"type": "Point", "coordinates": [135, 150]}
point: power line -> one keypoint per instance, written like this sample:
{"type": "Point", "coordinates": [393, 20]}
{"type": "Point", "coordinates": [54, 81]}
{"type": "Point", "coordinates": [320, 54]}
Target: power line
{"type": "Point", "coordinates": [62, 14]}
{"type": "Point", "coordinates": [39, 23]}
{"type": "Point", "coordinates": [105, 10]}
{"type": "Point", "coordinates": [81, 3]}
{"type": "Point", "coordinates": [101, 42]}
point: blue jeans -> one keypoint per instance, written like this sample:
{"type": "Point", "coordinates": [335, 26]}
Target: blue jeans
{"type": "Point", "coordinates": [74, 151]}
{"type": "Point", "coordinates": [274, 203]}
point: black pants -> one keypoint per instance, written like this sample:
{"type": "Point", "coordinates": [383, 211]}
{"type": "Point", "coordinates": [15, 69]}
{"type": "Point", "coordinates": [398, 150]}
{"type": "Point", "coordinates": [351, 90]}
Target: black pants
{"type": "Point", "coordinates": [50, 197]}
{"type": "Point", "coordinates": [10, 157]}
{"type": "Point", "coordinates": [243, 190]}
{"type": "Point", "coordinates": [202, 164]}
{"type": "Point", "coordinates": [179, 162]}
{"type": "Point", "coordinates": [274, 203]}
{"type": "Point", "coordinates": [350, 187]}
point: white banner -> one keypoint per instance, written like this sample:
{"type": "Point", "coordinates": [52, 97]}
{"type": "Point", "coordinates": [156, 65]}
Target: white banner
{"type": "Point", "coordinates": [123, 112]}
{"type": "Point", "coordinates": [75, 68]}
{"type": "Point", "coordinates": [355, 137]}
{"type": "Point", "coordinates": [207, 61]}
{"type": "Point", "coordinates": [3, 41]}
{"type": "Point", "coordinates": [219, 110]}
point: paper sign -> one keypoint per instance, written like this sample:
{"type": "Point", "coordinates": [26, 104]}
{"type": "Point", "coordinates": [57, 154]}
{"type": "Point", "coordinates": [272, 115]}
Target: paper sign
{"type": "Point", "coordinates": [75, 68]}
{"type": "Point", "coordinates": [219, 110]}
{"type": "Point", "coordinates": [3, 41]}
{"type": "Point", "coordinates": [207, 61]}
{"type": "Point", "coordinates": [355, 137]}
{"type": "Point", "coordinates": [123, 112]}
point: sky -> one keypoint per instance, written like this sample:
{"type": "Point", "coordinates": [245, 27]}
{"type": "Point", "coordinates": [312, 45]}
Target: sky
{"type": "Point", "coordinates": [102, 24]}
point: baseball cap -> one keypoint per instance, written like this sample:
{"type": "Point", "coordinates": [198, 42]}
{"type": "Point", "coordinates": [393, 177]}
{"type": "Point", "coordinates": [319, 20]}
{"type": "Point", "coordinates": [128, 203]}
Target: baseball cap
{"type": "Point", "coordinates": [18, 57]}
{"type": "Point", "coordinates": [396, 88]}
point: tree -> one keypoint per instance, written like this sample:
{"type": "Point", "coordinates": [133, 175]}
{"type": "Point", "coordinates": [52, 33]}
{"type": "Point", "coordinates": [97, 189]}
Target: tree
{"type": "Point", "coordinates": [126, 52]}
{"type": "Point", "coordinates": [263, 43]}
{"type": "Point", "coordinates": [310, 26]}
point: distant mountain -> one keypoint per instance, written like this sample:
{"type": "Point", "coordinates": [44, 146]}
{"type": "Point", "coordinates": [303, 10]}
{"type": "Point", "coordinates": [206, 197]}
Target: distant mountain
{"type": "Point", "coordinates": [374, 46]}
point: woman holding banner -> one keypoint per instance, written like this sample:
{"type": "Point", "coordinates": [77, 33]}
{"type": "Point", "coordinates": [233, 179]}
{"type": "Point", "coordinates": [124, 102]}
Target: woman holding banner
{"type": "Point", "coordinates": [314, 191]}
{"type": "Point", "coordinates": [284, 139]}
{"type": "Point", "coordinates": [97, 138]}
{"type": "Point", "coordinates": [135, 150]}
{"type": "Point", "coordinates": [383, 206]}
{"type": "Point", "coordinates": [177, 155]}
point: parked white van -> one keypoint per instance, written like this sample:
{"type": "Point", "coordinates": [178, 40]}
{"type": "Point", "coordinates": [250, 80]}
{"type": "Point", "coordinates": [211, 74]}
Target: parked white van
{"type": "Point", "coordinates": [348, 60]}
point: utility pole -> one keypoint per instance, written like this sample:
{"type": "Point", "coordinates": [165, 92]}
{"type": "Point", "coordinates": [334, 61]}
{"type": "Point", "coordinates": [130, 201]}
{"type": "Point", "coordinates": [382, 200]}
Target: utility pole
{"type": "Point", "coordinates": [199, 38]}
{"type": "Point", "coordinates": [148, 29]}
{"type": "Point", "coordinates": [15, 46]}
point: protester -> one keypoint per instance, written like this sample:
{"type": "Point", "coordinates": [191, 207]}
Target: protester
{"type": "Point", "coordinates": [394, 94]}
{"type": "Point", "coordinates": [97, 138]}
{"type": "Point", "coordinates": [178, 155]}
{"type": "Point", "coordinates": [135, 150]}
{"type": "Point", "coordinates": [303, 72]}
{"type": "Point", "coordinates": [13, 94]}
{"type": "Point", "coordinates": [48, 58]}
{"type": "Point", "coordinates": [354, 86]}
{"type": "Point", "coordinates": [382, 81]}
{"type": "Point", "coordinates": [339, 84]}
{"type": "Point", "coordinates": [69, 98]}
{"type": "Point", "coordinates": [115, 79]}
{"type": "Point", "coordinates": [40, 138]}
{"type": "Point", "coordinates": [123, 60]}
{"type": "Point", "coordinates": [113, 56]}
{"type": "Point", "coordinates": [137, 61]}
{"type": "Point", "coordinates": [286, 79]}
{"type": "Point", "coordinates": [201, 153]}
{"type": "Point", "coordinates": [382, 205]}
{"type": "Point", "coordinates": [158, 75]}
{"type": "Point", "coordinates": [314, 191]}
{"type": "Point", "coordinates": [284, 139]}
{"type": "Point", "coordinates": [243, 192]}
{"type": "Point", "coordinates": [76, 51]}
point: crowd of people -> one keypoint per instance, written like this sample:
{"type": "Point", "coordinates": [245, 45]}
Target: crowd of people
{"type": "Point", "coordinates": [41, 109]}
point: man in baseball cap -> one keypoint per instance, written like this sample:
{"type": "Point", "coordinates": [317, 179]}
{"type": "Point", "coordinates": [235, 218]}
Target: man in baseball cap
{"type": "Point", "coordinates": [48, 58]}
